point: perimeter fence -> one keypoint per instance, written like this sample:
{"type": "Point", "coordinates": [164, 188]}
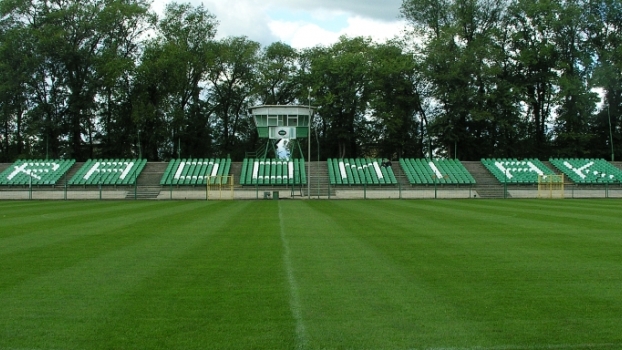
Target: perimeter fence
{"type": "Point", "coordinates": [317, 190]}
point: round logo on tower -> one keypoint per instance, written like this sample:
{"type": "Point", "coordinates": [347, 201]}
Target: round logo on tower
{"type": "Point", "coordinates": [282, 132]}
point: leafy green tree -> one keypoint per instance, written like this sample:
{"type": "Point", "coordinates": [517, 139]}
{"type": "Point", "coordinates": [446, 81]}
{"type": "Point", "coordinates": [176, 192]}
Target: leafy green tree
{"type": "Point", "coordinates": [340, 78]}
{"type": "Point", "coordinates": [276, 75]}
{"type": "Point", "coordinates": [149, 97]}
{"type": "Point", "coordinates": [74, 46]}
{"type": "Point", "coordinates": [576, 102]}
{"type": "Point", "coordinates": [605, 35]}
{"type": "Point", "coordinates": [116, 133]}
{"type": "Point", "coordinates": [170, 111]}
{"type": "Point", "coordinates": [395, 105]}
{"type": "Point", "coordinates": [15, 69]}
{"type": "Point", "coordinates": [461, 52]}
{"type": "Point", "coordinates": [231, 84]}
{"type": "Point", "coordinates": [29, 73]}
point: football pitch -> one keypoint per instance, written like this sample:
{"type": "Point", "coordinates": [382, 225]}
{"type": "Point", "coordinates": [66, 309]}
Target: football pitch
{"type": "Point", "coordinates": [309, 274]}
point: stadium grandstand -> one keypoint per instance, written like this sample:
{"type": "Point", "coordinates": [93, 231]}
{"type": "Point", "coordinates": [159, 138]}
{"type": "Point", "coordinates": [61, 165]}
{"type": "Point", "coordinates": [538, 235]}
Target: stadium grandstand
{"type": "Point", "coordinates": [108, 172]}
{"type": "Point", "coordinates": [193, 172]}
{"type": "Point", "coordinates": [516, 171]}
{"type": "Point", "coordinates": [35, 172]}
{"type": "Point", "coordinates": [588, 171]}
{"type": "Point", "coordinates": [440, 171]}
{"type": "Point", "coordinates": [333, 178]}
{"type": "Point", "coordinates": [360, 171]}
{"type": "Point", "coordinates": [279, 164]}
{"type": "Point", "coordinates": [272, 171]}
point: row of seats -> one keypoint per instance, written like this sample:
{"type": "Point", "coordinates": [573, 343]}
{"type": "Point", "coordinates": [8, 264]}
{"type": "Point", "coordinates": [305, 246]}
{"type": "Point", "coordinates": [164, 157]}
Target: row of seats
{"type": "Point", "coordinates": [35, 172]}
{"type": "Point", "coordinates": [440, 171]}
{"type": "Point", "coordinates": [514, 171]}
{"type": "Point", "coordinates": [195, 171]}
{"type": "Point", "coordinates": [588, 170]}
{"type": "Point", "coordinates": [272, 171]}
{"type": "Point", "coordinates": [348, 171]}
{"type": "Point", "coordinates": [109, 172]}
{"type": "Point", "coordinates": [359, 171]}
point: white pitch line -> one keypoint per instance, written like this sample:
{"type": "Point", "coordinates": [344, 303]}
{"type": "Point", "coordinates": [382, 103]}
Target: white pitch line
{"type": "Point", "coordinates": [294, 299]}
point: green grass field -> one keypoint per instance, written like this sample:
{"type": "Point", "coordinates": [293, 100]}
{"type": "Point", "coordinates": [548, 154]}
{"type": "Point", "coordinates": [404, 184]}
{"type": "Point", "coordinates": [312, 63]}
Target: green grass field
{"type": "Point", "coordinates": [446, 274]}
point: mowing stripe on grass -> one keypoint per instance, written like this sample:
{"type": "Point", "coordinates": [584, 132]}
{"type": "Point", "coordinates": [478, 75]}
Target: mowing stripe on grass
{"type": "Point", "coordinates": [89, 269]}
{"type": "Point", "coordinates": [499, 278]}
{"type": "Point", "coordinates": [301, 336]}
{"type": "Point", "coordinates": [198, 277]}
{"type": "Point", "coordinates": [435, 275]}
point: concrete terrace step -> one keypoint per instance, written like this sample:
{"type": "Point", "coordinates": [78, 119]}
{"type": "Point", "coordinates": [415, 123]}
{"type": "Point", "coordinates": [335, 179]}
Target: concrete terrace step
{"type": "Point", "coordinates": [71, 172]}
{"type": "Point", "coordinates": [144, 192]}
{"type": "Point", "coordinates": [491, 192]}
{"type": "Point", "coordinates": [479, 172]}
{"type": "Point", "coordinates": [400, 175]}
{"type": "Point", "coordinates": [151, 174]}
{"type": "Point", "coordinates": [236, 171]}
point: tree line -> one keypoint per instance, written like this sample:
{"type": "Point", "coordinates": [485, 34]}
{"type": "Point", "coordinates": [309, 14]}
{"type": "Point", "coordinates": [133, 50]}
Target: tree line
{"type": "Point", "coordinates": [470, 79]}
{"type": "Point", "coordinates": [520, 78]}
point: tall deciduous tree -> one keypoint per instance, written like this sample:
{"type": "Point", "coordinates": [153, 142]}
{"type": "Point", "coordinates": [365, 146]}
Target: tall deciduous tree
{"type": "Point", "coordinates": [74, 44]}
{"type": "Point", "coordinates": [605, 35]}
{"type": "Point", "coordinates": [276, 75]}
{"type": "Point", "coordinates": [340, 78]}
{"type": "Point", "coordinates": [396, 103]}
{"type": "Point", "coordinates": [170, 110]}
{"type": "Point", "coordinates": [576, 102]}
{"type": "Point", "coordinates": [117, 134]}
{"type": "Point", "coordinates": [461, 53]}
{"type": "Point", "coordinates": [16, 67]}
{"type": "Point", "coordinates": [232, 81]}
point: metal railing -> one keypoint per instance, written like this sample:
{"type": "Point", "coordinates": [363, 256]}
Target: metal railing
{"type": "Point", "coordinates": [319, 190]}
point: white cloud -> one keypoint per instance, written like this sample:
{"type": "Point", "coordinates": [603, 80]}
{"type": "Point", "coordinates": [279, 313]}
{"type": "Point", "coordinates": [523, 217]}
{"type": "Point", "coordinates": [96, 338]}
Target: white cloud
{"type": "Point", "coordinates": [387, 10]}
{"type": "Point", "coordinates": [302, 23]}
{"type": "Point", "coordinates": [305, 34]}
{"type": "Point", "coordinates": [378, 30]}
{"type": "Point", "coordinates": [301, 35]}
{"type": "Point", "coordinates": [241, 18]}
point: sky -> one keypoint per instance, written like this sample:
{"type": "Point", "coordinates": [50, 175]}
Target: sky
{"type": "Point", "coordinates": [302, 23]}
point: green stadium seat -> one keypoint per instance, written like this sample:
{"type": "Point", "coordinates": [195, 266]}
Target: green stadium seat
{"type": "Point", "coordinates": [359, 171]}
{"type": "Point", "coordinates": [267, 172]}
{"type": "Point", "coordinates": [588, 170]}
{"type": "Point", "coordinates": [440, 171]}
{"type": "Point", "coordinates": [167, 173]}
{"type": "Point", "coordinates": [36, 172]}
{"type": "Point", "coordinates": [512, 170]}
{"type": "Point", "coordinates": [194, 171]}
{"type": "Point", "coordinates": [109, 172]}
